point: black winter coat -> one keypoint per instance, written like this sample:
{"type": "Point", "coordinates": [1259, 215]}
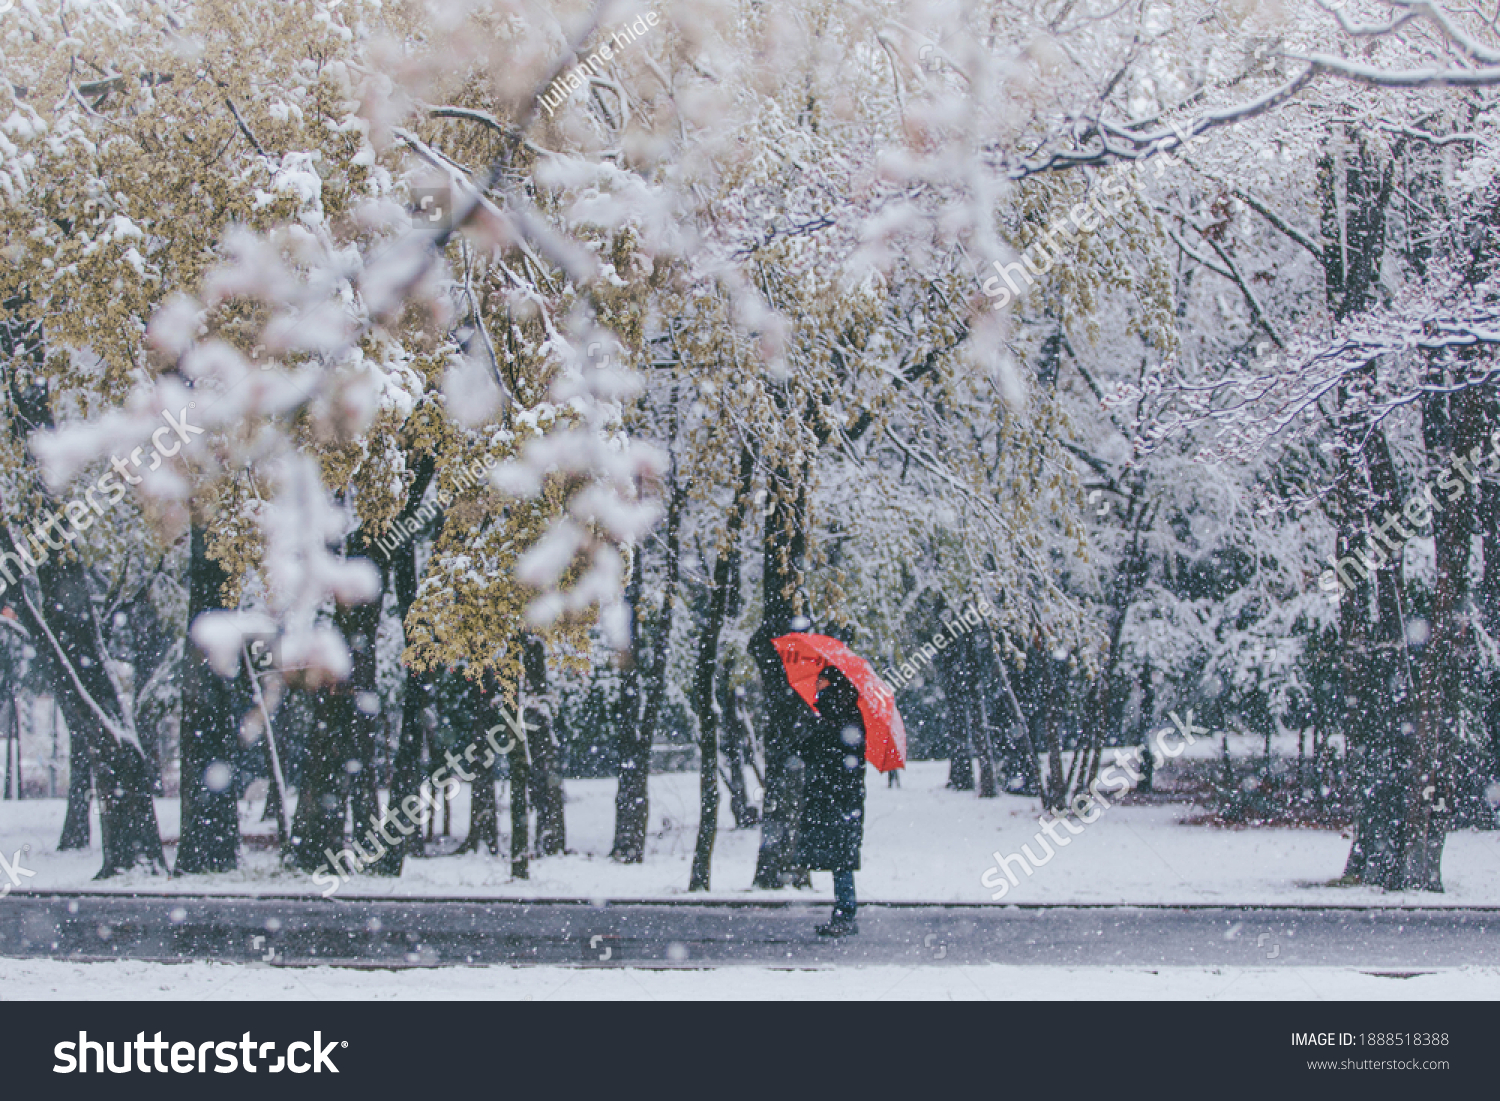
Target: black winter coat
{"type": "Point", "coordinates": [833, 790]}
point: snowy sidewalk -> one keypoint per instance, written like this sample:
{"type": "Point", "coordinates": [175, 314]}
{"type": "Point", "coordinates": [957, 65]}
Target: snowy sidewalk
{"type": "Point", "coordinates": [922, 844]}
{"type": "Point", "coordinates": [43, 980]}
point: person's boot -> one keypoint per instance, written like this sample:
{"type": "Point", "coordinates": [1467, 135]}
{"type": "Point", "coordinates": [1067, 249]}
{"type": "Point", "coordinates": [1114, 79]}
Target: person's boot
{"type": "Point", "coordinates": [842, 925]}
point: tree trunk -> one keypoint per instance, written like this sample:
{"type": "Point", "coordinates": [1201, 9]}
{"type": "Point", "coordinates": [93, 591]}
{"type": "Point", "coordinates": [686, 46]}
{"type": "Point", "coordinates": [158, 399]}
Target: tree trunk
{"type": "Point", "coordinates": [69, 641]}
{"type": "Point", "coordinates": [631, 792]}
{"type": "Point", "coordinates": [1451, 427]}
{"type": "Point", "coordinates": [780, 819]}
{"type": "Point", "coordinates": [1375, 655]}
{"type": "Point", "coordinates": [210, 735]}
{"type": "Point", "coordinates": [960, 752]}
{"type": "Point", "coordinates": [546, 754]}
{"type": "Point", "coordinates": [708, 764]}
{"type": "Point", "coordinates": [407, 775]}
{"type": "Point", "coordinates": [1148, 720]}
{"type": "Point", "coordinates": [276, 778]}
{"type": "Point", "coordinates": [70, 644]}
{"type": "Point", "coordinates": [520, 781]}
{"type": "Point", "coordinates": [985, 750]}
{"type": "Point", "coordinates": [783, 546]}
{"type": "Point", "coordinates": [959, 715]}
{"type": "Point", "coordinates": [150, 737]}
{"type": "Point", "coordinates": [323, 791]}
{"type": "Point", "coordinates": [627, 704]}
{"type": "Point", "coordinates": [632, 806]}
{"type": "Point", "coordinates": [484, 811]}
{"type": "Point", "coordinates": [471, 716]}
{"type": "Point", "coordinates": [705, 700]}
{"type": "Point", "coordinates": [1355, 191]}
{"type": "Point", "coordinates": [735, 748]}
{"type": "Point", "coordinates": [963, 688]}
{"type": "Point", "coordinates": [359, 624]}
{"type": "Point", "coordinates": [1020, 752]}
{"type": "Point", "coordinates": [76, 833]}
{"type": "Point", "coordinates": [156, 657]}
{"type": "Point", "coordinates": [1128, 581]}
{"type": "Point", "coordinates": [1055, 680]}
{"type": "Point", "coordinates": [12, 749]}
{"type": "Point", "coordinates": [1488, 601]}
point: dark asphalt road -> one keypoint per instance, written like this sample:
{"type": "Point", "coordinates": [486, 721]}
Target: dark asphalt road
{"type": "Point", "coordinates": [397, 934]}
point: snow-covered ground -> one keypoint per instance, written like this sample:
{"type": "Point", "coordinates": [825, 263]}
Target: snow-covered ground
{"type": "Point", "coordinates": [923, 843]}
{"type": "Point", "coordinates": [43, 980]}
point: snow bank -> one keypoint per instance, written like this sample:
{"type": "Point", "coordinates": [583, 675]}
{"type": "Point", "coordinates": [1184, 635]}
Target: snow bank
{"type": "Point", "coordinates": [922, 844]}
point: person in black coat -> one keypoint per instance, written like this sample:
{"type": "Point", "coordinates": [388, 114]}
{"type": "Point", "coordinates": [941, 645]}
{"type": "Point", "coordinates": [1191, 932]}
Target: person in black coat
{"type": "Point", "coordinates": [832, 748]}
{"type": "Point", "coordinates": [830, 741]}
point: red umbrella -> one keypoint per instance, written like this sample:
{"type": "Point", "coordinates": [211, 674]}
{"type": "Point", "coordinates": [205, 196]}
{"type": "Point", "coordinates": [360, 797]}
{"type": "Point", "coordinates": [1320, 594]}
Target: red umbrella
{"type": "Point", "coordinates": [806, 655]}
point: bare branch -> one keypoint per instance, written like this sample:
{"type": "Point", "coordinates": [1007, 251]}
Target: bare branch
{"type": "Point", "coordinates": [244, 128]}
{"type": "Point", "coordinates": [1143, 145]}
{"type": "Point", "coordinates": [1312, 246]}
{"type": "Point", "coordinates": [1239, 280]}
{"type": "Point", "coordinates": [1402, 78]}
